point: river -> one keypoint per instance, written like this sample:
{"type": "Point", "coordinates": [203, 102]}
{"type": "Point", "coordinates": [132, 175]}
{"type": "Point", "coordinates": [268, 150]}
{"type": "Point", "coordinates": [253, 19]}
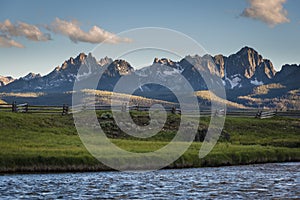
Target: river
{"type": "Point", "coordinates": [263, 181]}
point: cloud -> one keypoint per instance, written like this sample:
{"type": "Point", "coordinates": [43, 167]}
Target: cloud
{"type": "Point", "coordinates": [270, 12]}
{"type": "Point", "coordinates": [21, 29]}
{"type": "Point", "coordinates": [6, 42]}
{"type": "Point", "coordinates": [72, 30]}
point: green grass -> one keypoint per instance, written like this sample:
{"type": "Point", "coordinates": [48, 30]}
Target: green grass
{"type": "Point", "coordinates": [33, 142]}
{"type": "Point", "coordinates": [277, 131]}
{"type": "Point", "coordinates": [42, 143]}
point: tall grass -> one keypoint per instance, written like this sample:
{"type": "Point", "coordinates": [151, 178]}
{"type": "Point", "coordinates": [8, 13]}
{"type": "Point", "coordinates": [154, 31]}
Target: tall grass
{"type": "Point", "coordinates": [44, 143]}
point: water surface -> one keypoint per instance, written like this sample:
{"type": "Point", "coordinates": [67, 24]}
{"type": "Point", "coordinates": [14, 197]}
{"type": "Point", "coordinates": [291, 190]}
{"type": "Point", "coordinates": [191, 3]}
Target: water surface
{"type": "Point", "coordinates": [268, 181]}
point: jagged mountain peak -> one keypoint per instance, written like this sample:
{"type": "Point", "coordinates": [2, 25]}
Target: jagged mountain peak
{"type": "Point", "coordinates": [120, 67]}
{"type": "Point", "coordinates": [104, 61]}
{"type": "Point", "coordinates": [246, 49]}
{"type": "Point", "coordinates": [248, 64]}
{"type": "Point", "coordinates": [73, 64]}
{"type": "Point", "coordinates": [250, 56]}
{"type": "Point", "coordinates": [121, 61]}
{"type": "Point", "coordinates": [190, 60]}
{"type": "Point", "coordinates": [191, 57]}
{"type": "Point", "coordinates": [81, 57]}
{"type": "Point", "coordinates": [203, 64]}
{"type": "Point", "coordinates": [242, 70]}
{"type": "Point", "coordinates": [78, 59]}
{"type": "Point", "coordinates": [165, 61]}
{"type": "Point", "coordinates": [31, 76]}
{"type": "Point", "coordinates": [207, 56]}
{"type": "Point", "coordinates": [249, 53]}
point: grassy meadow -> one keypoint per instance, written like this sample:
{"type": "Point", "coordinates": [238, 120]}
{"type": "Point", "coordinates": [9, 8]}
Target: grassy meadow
{"type": "Point", "coordinates": [50, 143]}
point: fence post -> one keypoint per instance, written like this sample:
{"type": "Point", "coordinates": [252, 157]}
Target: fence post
{"type": "Point", "coordinates": [258, 114]}
{"type": "Point", "coordinates": [14, 107]}
{"type": "Point", "coordinates": [216, 113]}
{"type": "Point", "coordinates": [64, 109]}
{"type": "Point", "coordinates": [173, 110]}
{"type": "Point", "coordinates": [124, 106]}
{"type": "Point", "coordinates": [26, 108]}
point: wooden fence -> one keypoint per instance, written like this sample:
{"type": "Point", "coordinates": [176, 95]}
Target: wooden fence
{"type": "Point", "coordinates": [26, 108]}
{"type": "Point", "coordinates": [266, 114]}
{"type": "Point", "coordinates": [66, 109]}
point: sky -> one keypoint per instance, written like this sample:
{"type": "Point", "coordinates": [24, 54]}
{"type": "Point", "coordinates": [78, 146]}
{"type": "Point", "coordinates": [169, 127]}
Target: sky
{"type": "Point", "coordinates": [36, 36]}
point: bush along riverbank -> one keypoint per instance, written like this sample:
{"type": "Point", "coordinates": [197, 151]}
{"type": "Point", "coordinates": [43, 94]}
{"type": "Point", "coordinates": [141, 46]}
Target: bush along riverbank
{"type": "Point", "coordinates": [50, 143]}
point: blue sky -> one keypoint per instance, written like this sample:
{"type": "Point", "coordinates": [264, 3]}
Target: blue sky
{"type": "Point", "coordinates": [219, 26]}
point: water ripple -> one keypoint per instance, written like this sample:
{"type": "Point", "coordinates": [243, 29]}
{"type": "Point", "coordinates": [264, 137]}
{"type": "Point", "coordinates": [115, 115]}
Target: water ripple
{"type": "Point", "coordinates": [268, 181]}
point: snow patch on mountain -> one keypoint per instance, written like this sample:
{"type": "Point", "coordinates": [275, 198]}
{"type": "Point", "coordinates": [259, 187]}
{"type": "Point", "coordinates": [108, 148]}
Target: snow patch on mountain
{"type": "Point", "coordinates": [224, 82]}
{"type": "Point", "coordinates": [234, 81]}
{"type": "Point", "coordinates": [256, 82]}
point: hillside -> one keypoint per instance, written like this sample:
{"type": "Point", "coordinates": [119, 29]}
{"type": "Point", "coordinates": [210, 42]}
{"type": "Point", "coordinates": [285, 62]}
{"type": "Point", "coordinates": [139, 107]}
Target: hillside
{"type": "Point", "coordinates": [272, 96]}
{"type": "Point", "coordinates": [104, 98]}
{"type": "Point", "coordinates": [86, 96]}
{"type": "Point", "coordinates": [207, 96]}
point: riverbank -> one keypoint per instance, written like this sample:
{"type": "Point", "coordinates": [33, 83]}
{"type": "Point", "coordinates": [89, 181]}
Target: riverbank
{"type": "Point", "coordinates": [49, 143]}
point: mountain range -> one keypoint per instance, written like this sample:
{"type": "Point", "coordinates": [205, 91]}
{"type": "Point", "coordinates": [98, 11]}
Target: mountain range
{"type": "Point", "coordinates": [249, 79]}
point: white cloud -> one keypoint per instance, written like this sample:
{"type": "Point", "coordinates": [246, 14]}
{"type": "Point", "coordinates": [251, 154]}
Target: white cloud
{"type": "Point", "coordinates": [6, 42]}
{"type": "Point", "coordinates": [21, 29]}
{"type": "Point", "coordinates": [70, 29]}
{"type": "Point", "coordinates": [270, 12]}
{"type": "Point", "coordinates": [96, 34]}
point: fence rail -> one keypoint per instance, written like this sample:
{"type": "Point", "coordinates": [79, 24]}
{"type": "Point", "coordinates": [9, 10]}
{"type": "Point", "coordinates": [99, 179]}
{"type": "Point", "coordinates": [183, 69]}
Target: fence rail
{"type": "Point", "coordinates": [266, 114]}
{"type": "Point", "coordinates": [26, 108]}
{"type": "Point", "coordinates": [65, 109]}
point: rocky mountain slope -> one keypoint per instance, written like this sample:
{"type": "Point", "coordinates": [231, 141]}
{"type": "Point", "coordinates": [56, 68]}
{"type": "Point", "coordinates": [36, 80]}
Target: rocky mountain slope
{"type": "Point", "coordinates": [243, 74]}
{"type": "Point", "coordinates": [4, 80]}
